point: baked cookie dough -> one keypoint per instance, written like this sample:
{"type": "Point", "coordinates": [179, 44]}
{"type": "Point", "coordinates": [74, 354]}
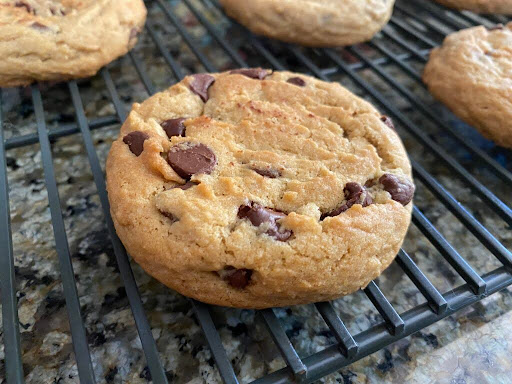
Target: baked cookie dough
{"type": "Point", "coordinates": [256, 189]}
{"type": "Point", "coordinates": [481, 6]}
{"type": "Point", "coordinates": [53, 40]}
{"type": "Point", "coordinates": [315, 23]}
{"type": "Point", "coordinates": [471, 73]}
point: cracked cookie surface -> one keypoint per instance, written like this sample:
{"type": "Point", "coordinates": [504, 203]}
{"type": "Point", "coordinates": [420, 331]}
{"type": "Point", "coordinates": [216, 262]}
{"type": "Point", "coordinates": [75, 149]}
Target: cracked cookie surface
{"type": "Point", "coordinates": [312, 22]}
{"type": "Point", "coordinates": [257, 189]}
{"type": "Point", "coordinates": [54, 40]}
{"type": "Point", "coordinates": [471, 73]}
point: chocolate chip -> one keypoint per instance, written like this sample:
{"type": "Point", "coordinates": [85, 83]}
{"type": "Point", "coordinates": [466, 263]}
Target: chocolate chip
{"type": "Point", "coordinates": [135, 141]}
{"type": "Point", "coordinates": [170, 216]}
{"type": "Point", "coordinates": [335, 212]}
{"type": "Point", "coordinates": [354, 194]}
{"type": "Point", "coordinates": [187, 159]}
{"type": "Point", "coordinates": [187, 185]}
{"type": "Point", "coordinates": [253, 73]}
{"type": "Point", "coordinates": [200, 84]}
{"type": "Point", "coordinates": [496, 27]}
{"type": "Point", "coordinates": [21, 4]}
{"type": "Point", "coordinates": [296, 81]}
{"type": "Point", "coordinates": [267, 172]}
{"type": "Point", "coordinates": [387, 120]}
{"type": "Point", "coordinates": [237, 278]}
{"type": "Point", "coordinates": [39, 26]}
{"type": "Point", "coordinates": [370, 183]}
{"type": "Point", "coordinates": [259, 215]}
{"type": "Point", "coordinates": [401, 190]}
{"type": "Point", "coordinates": [174, 127]}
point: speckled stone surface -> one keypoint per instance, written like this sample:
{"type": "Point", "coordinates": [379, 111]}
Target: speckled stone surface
{"type": "Point", "coordinates": [472, 346]}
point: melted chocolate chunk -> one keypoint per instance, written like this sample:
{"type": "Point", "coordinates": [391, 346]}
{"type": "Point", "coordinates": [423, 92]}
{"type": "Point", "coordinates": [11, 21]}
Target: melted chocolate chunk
{"type": "Point", "coordinates": [354, 194]}
{"type": "Point", "coordinates": [259, 215]}
{"type": "Point", "coordinates": [187, 185]}
{"type": "Point", "coordinates": [387, 120]}
{"type": "Point", "coordinates": [267, 172]}
{"type": "Point", "coordinates": [401, 190]}
{"type": "Point", "coordinates": [191, 159]}
{"type": "Point", "coordinates": [174, 127]}
{"type": "Point", "coordinates": [342, 208]}
{"type": "Point", "coordinates": [21, 4]}
{"type": "Point", "coordinates": [135, 141]}
{"type": "Point", "coordinates": [237, 278]}
{"type": "Point", "coordinates": [39, 26]}
{"type": "Point", "coordinates": [200, 84]}
{"type": "Point", "coordinates": [170, 216]}
{"type": "Point", "coordinates": [370, 183]}
{"type": "Point", "coordinates": [296, 81]}
{"type": "Point", "coordinates": [253, 73]}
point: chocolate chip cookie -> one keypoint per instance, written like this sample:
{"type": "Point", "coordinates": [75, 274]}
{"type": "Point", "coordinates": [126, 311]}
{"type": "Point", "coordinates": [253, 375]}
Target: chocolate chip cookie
{"type": "Point", "coordinates": [53, 40]}
{"type": "Point", "coordinates": [472, 74]}
{"type": "Point", "coordinates": [481, 6]}
{"type": "Point", "coordinates": [316, 23]}
{"type": "Point", "coordinates": [257, 189]}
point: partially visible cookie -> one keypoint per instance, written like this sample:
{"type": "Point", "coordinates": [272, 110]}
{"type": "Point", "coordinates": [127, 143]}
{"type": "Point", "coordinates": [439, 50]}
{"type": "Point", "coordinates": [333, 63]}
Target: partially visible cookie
{"type": "Point", "coordinates": [481, 6]}
{"type": "Point", "coordinates": [317, 23]}
{"type": "Point", "coordinates": [257, 189]}
{"type": "Point", "coordinates": [53, 40]}
{"type": "Point", "coordinates": [472, 74]}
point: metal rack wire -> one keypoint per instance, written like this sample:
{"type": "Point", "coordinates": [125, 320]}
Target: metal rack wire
{"type": "Point", "coordinates": [413, 35]}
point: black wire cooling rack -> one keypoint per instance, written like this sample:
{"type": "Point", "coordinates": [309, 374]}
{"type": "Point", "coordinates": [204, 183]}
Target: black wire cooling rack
{"type": "Point", "coordinates": [392, 61]}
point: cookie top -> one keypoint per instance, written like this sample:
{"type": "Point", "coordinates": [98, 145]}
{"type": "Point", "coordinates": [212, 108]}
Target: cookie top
{"type": "Point", "coordinates": [256, 189]}
{"type": "Point", "coordinates": [312, 22]}
{"type": "Point", "coordinates": [481, 6]}
{"type": "Point", "coordinates": [472, 74]}
{"type": "Point", "coordinates": [47, 40]}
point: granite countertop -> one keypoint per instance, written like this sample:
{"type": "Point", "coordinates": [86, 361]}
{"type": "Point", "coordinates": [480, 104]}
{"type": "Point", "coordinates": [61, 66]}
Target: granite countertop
{"type": "Point", "coordinates": [472, 346]}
